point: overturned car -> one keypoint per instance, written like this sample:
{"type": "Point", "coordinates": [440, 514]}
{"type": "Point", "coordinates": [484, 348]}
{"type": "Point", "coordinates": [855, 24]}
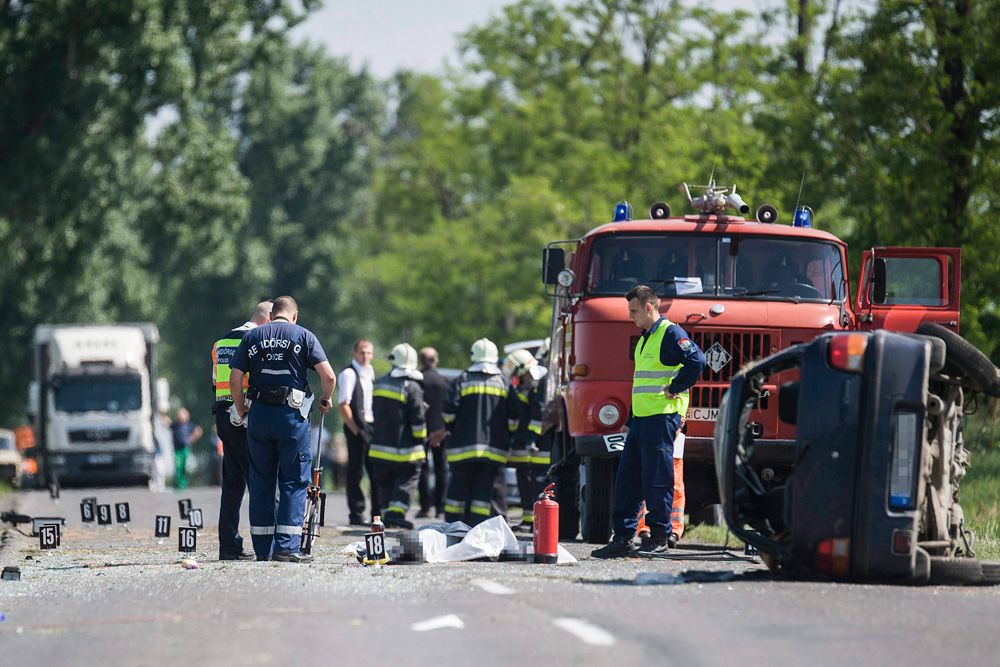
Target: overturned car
{"type": "Point", "coordinates": [870, 488]}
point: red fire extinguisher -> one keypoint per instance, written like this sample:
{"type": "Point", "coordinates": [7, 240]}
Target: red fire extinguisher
{"type": "Point", "coordinates": [546, 526]}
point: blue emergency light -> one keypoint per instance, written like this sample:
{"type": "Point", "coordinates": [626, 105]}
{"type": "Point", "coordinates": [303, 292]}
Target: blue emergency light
{"type": "Point", "coordinates": [803, 217]}
{"type": "Point", "coordinates": [623, 212]}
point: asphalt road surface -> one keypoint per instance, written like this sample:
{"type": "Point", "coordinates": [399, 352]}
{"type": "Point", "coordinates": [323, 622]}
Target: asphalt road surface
{"type": "Point", "coordinates": [119, 597]}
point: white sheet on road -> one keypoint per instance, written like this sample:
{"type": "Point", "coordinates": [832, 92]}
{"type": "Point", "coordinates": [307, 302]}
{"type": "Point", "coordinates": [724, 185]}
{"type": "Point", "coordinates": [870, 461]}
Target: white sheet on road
{"type": "Point", "coordinates": [487, 540]}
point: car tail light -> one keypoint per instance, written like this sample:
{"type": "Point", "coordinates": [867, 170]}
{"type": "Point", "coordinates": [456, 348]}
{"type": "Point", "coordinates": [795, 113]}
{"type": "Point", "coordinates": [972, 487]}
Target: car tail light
{"type": "Point", "coordinates": [906, 441]}
{"type": "Point", "coordinates": [902, 541]}
{"type": "Point", "coordinates": [834, 556]}
{"type": "Point", "coordinates": [847, 351]}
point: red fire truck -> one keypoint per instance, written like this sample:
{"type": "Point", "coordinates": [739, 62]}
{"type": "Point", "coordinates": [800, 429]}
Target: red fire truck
{"type": "Point", "coordinates": [743, 289]}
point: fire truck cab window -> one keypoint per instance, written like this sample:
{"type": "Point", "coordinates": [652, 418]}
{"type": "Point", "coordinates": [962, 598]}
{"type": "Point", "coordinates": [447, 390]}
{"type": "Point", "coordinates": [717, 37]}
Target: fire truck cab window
{"type": "Point", "coordinates": [702, 265]}
{"type": "Point", "coordinates": [675, 264]}
{"type": "Point", "coordinates": [913, 280]}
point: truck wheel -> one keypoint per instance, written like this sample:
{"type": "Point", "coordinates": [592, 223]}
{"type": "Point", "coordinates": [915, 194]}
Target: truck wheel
{"type": "Point", "coordinates": [709, 515]}
{"type": "Point", "coordinates": [991, 573]}
{"type": "Point", "coordinates": [982, 375]}
{"type": "Point", "coordinates": [598, 495]}
{"type": "Point", "coordinates": [567, 480]}
{"type": "Point", "coordinates": [948, 570]}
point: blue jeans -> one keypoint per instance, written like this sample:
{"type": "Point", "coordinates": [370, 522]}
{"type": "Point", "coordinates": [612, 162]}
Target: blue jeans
{"type": "Point", "coordinates": [646, 472]}
{"type": "Point", "coordinates": [278, 448]}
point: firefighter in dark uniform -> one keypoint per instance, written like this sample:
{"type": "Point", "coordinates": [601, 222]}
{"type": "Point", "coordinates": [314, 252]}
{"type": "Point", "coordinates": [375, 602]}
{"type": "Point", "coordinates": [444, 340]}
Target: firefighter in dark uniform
{"type": "Point", "coordinates": [667, 364]}
{"type": "Point", "coordinates": [233, 436]}
{"type": "Point", "coordinates": [525, 410]}
{"type": "Point", "coordinates": [397, 448]}
{"type": "Point", "coordinates": [277, 356]}
{"type": "Point", "coordinates": [475, 417]}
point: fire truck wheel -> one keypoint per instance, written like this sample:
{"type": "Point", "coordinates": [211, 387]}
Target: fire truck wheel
{"type": "Point", "coordinates": [598, 494]}
{"type": "Point", "coordinates": [567, 481]}
{"type": "Point", "coordinates": [980, 372]}
{"type": "Point", "coordinates": [956, 571]}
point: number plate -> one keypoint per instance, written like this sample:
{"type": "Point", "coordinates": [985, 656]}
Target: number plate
{"type": "Point", "coordinates": [48, 536]}
{"type": "Point", "coordinates": [375, 542]}
{"type": "Point", "coordinates": [615, 442]}
{"type": "Point", "coordinates": [187, 539]}
{"type": "Point", "coordinates": [87, 511]}
{"type": "Point", "coordinates": [162, 525]}
{"type": "Point", "coordinates": [104, 515]}
{"type": "Point", "coordinates": [100, 459]}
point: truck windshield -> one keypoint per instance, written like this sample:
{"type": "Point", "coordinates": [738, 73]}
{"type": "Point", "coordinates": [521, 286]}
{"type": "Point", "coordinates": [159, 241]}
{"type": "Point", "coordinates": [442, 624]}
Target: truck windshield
{"type": "Point", "coordinates": [6, 444]}
{"type": "Point", "coordinates": [717, 265]}
{"type": "Point", "coordinates": [97, 393]}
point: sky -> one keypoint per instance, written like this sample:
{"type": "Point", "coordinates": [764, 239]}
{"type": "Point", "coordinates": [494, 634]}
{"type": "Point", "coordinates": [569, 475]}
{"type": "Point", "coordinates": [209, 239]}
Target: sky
{"type": "Point", "coordinates": [386, 35]}
{"type": "Point", "coordinates": [420, 35]}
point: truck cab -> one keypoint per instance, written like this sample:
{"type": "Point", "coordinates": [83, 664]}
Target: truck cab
{"type": "Point", "coordinates": [742, 289]}
{"type": "Point", "coordinates": [94, 404]}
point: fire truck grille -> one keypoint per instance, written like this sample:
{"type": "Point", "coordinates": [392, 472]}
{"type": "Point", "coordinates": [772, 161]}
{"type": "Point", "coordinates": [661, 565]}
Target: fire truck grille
{"type": "Point", "coordinates": [726, 352]}
{"type": "Point", "coordinates": [92, 435]}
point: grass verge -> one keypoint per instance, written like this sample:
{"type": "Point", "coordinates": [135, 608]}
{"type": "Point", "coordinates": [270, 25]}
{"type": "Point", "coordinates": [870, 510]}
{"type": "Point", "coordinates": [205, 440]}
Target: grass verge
{"type": "Point", "coordinates": [980, 497]}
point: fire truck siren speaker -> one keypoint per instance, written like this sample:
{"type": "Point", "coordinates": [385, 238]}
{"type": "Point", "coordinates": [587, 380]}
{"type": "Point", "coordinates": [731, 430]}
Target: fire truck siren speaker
{"type": "Point", "coordinates": [659, 211]}
{"type": "Point", "coordinates": [767, 213]}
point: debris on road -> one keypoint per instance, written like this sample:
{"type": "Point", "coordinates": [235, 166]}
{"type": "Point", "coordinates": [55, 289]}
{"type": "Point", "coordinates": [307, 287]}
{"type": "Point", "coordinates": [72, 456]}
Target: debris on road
{"type": "Point", "coordinates": [686, 577]}
{"type": "Point", "coordinates": [189, 563]}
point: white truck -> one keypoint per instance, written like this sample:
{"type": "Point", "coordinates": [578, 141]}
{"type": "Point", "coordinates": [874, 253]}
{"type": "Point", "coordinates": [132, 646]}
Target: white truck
{"type": "Point", "coordinates": [95, 407]}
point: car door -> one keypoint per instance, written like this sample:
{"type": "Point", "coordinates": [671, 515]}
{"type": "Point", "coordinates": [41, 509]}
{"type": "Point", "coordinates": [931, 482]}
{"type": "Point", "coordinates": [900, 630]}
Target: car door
{"type": "Point", "coordinates": [900, 288]}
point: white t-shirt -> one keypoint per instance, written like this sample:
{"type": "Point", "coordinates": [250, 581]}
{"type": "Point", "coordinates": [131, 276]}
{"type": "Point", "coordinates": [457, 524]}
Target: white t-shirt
{"type": "Point", "coordinates": [345, 383]}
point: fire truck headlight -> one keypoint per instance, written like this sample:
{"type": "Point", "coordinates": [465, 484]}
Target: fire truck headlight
{"type": "Point", "coordinates": [566, 278]}
{"type": "Point", "coordinates": [609, 414]}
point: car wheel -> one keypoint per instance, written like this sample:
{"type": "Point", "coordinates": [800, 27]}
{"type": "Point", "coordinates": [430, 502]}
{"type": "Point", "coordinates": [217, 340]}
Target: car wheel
{"type": "Point", "coordinates": [991, 573]}
{"type": "Point", "coordinates": [969, 360]}
{"type": "Point", "coordinates": [956, 571]}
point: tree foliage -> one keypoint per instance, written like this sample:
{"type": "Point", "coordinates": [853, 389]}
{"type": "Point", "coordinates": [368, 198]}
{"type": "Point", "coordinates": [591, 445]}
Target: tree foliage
{"type": "Point", "coordinates": [177, 161]}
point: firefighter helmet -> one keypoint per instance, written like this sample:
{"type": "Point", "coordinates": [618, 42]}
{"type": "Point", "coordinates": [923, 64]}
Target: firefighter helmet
{"type": "Point", "coordinates": [485, 350]}
{"type": "Point", "coordinates": [404, 356]}
{"type": "Point", "coordinates": [517, 363]}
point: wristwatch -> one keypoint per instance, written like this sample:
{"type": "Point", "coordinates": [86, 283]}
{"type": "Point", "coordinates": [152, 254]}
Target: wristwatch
{"type": "Point", "coordinates": [326, 401]}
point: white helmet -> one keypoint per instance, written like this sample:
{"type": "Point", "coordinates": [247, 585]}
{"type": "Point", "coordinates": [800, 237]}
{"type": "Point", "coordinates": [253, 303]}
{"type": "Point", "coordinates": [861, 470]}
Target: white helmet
{"type": "Point", "coordinates": [485, 350]}
{"type": "Point", "coordinates": [517, 362]}
{"type": "Point", "coordinates": [404, 356]}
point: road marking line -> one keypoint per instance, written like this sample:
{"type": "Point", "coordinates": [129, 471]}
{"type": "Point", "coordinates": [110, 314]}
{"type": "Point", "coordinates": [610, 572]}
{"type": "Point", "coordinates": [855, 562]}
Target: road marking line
{"type": "Point", "coordinates": [584, 631]}
{"type": "Point", "coordinates": [493, 587]}
{"type": "Point", "coordinates": [438, 623]}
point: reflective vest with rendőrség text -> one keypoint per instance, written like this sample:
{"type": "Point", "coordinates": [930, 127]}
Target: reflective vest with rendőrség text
{"type": "Point", "coordinates": [222, 356]}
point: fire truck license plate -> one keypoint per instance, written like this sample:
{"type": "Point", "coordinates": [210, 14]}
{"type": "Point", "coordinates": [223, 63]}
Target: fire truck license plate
{"type": "Point", "coordinates": [615, 442]}
{"type": "Point", "coordinates": [703, 414]}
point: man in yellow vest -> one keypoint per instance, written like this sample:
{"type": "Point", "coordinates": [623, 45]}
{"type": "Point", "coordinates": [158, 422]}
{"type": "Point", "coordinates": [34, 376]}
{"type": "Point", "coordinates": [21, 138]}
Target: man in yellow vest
{"type": "Point", "coordinates": [235, 464]}
{"type": "Point", "coordinates": [667, 364]}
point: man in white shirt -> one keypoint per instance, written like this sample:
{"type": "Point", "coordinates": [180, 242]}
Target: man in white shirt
{"type": "Point", "coordinates": [355, 384]}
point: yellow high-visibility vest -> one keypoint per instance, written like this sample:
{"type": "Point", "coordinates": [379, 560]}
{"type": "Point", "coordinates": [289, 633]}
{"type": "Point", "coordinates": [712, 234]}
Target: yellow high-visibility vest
{"type": "Point", "coordinates": [651, 377]}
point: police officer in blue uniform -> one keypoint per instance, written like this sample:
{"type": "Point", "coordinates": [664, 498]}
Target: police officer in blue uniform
{"type": "Point", "coordinates": [276, 356]}
{"type": "Point", "coordinates": [667, 364]}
